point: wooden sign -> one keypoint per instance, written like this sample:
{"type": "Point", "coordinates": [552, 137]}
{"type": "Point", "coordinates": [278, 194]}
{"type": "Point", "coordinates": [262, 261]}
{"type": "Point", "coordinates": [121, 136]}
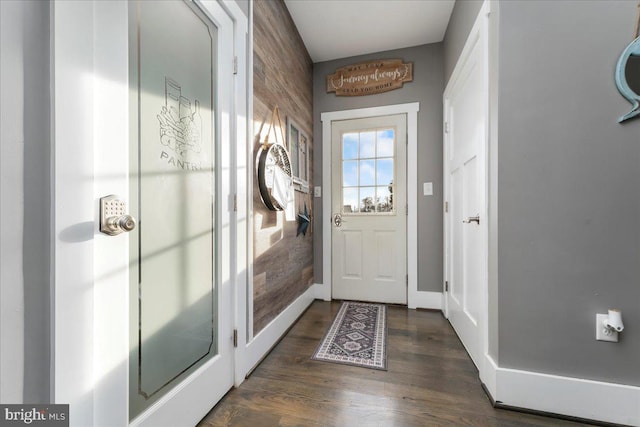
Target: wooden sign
{"type": "Point", "coordinates": [368, 78]}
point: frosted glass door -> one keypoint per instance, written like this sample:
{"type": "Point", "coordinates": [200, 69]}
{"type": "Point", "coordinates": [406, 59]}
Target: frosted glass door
{"type": "Point", "coordinates": [173, 175]}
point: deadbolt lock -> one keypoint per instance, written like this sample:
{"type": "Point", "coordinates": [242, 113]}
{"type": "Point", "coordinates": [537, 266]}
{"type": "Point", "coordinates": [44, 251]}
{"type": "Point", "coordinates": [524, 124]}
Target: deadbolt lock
{"type": "Point", "coordinates": [113, 217]}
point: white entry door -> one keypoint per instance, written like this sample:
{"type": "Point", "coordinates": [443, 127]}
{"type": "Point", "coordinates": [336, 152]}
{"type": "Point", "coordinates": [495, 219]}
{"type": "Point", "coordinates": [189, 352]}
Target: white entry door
{"type": "Point", "coordinates": [369, 209]}
{"type": "Point", "coordinates": [465, 187]}
{"type": "Point", "coordinates": [142, 112]}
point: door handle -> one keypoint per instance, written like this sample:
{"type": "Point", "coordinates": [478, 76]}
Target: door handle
{"type": "Point", "coordinates": [113, 218]}
{"type": "Point", "coordinates": [120, 224]}
{"type": "Point", "coordinates": [337, 220]}
{"type": "Point", "coordinates": [471, 219]}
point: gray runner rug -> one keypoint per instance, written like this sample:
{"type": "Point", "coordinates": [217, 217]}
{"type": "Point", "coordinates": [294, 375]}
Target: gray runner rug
{"type": "Point", "coordinates": [357, 336]}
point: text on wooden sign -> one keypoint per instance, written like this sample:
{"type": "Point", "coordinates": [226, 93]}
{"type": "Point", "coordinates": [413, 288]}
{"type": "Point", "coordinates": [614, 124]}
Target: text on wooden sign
{"type": "Point", "coordinates": [368, 78]}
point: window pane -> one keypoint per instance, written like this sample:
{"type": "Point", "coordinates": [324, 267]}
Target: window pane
{"type": "Point", "coordinates": [384, 199]}
{"type": "Point", "coordinates": [350, 200]}
{"type": "Point", "coordinates": [385, 143]}
{"type": "Point", "coordinates": [350, 173]}
{"type": "Point", "coordinates": [385, 171]}
{"type": "Point", "coordinates": [303, 158]}
{"type": "Point", "coordinates": [367, 172]}
{"type": "Point", "coordinates": [350, 146]}
{"type": "Point", "coordinates": [367, 196]}
{"type": "Point", "coordinates": [367, 145]}
{"type": "Point", "coordinates": [293, 136]}
{"type": "Point", "coordinates": [293, 152]}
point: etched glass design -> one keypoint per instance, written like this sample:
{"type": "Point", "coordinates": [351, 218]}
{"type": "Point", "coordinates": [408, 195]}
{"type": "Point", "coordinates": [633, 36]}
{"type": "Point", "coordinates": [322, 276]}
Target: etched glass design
{"type": "Point", "coordinates": [174, 312]}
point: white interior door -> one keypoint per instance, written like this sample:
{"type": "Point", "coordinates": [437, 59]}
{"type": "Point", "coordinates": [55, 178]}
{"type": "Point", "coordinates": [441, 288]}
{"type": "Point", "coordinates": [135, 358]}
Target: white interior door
{"type": "Point", "coordinates": [465, 221]}
{"type": "Point", "coordinates": [143, 104]}
{"type": "Point", "coordinates": [369, 209]}
{"type": "Point", "coordinates": [177, 309]}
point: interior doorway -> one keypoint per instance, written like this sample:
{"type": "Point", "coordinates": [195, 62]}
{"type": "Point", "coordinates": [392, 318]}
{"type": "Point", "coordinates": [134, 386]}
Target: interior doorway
{"type": "Point", "coordinates": [180, 313]}
{"type": "Point", "coordinates": [466, 101]}
{"type": "Point", "coordinates": [152, 122]}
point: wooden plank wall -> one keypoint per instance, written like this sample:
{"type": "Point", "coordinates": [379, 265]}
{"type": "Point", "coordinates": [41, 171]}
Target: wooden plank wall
{"type": "Point", "coordinates": [283, 77]}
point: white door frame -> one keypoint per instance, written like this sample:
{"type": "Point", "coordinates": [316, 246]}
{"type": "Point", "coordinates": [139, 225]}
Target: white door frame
{"type": "Point", "coordinates": [411, 110]}
{"type": "Point", "coordinates": [89, 363]}
{"type": "Point", "coordinates": [478, 34]}
{"type": "Point", "coordinates": [241, 163]}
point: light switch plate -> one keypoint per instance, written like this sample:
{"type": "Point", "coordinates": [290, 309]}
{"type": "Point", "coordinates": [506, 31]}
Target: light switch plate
{"type": "Point", "coordinates": [600, 330]}
{"type": "Point", "coordinates": [428, 188]}
{"type": "Point", "coordinates": [317, 191]}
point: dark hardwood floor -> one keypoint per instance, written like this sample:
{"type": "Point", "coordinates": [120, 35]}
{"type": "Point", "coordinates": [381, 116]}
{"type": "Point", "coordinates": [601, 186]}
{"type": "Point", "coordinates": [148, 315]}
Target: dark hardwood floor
{"type": "Point", "coordinates": [430, 382]}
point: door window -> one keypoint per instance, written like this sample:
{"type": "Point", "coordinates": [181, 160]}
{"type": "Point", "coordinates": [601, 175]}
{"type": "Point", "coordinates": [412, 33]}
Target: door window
{"type": "Point", "coordinates": [368, 171]}
{"type": "Point", "coordinates": [174, 293]}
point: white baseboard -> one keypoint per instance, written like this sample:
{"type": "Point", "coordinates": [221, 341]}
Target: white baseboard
{"type": "Point", "coordinates": [593, 400]}
{"type": "Point", "coordinates": [267, 337]}
{"type": "Point", "coordinates": [488, 374]}
{"type": "Point", "coordinates": [431, 300]}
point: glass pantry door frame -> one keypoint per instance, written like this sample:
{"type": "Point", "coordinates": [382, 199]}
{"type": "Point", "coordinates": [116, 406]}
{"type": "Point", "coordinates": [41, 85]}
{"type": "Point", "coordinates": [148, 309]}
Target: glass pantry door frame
{"type": "Point", "coordinates": [90, 128]}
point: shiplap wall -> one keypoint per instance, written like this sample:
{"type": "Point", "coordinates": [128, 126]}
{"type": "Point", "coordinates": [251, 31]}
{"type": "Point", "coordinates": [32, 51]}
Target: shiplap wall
{"type": "Point", "coordinates": [283, 77]}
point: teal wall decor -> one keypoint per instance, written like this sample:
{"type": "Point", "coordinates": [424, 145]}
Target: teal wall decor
{"type": "Point", "coordinates": [631, 53]}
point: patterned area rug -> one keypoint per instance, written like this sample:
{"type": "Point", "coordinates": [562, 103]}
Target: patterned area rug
{"type": "Point", "coordinates": [357, 336]}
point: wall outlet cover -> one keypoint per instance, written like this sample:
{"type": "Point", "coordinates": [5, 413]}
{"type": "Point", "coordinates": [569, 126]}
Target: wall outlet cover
{"type": "Point", "coordinates": [317, 191]}
{"type": "Point", "coordinates": [601, 330]}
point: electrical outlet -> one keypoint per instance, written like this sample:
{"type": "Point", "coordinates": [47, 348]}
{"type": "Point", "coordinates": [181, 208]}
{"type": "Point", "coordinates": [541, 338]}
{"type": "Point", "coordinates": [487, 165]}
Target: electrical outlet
{"type": "Point", "coordinates": [602, 332]}
{"type": "Point", "coordinates": [317, 191]}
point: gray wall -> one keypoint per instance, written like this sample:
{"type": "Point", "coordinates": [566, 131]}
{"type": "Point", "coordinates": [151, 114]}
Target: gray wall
{"type": "Point", "coordinates": [568, 184]}
{"type": "Point", "coordinates": [427, 88]}
{"type": "Point", "coordinates": [462, 18]}
{"type": "Point", "coordinates": [25, 202]}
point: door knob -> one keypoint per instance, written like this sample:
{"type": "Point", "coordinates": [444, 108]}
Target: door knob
{"type": "Point", "coordinates": [337, 220]}
{"type": "Point", "coordinates": [471, 219]}
{"type": "Point", "coordinates": [113, 218]}
{"type": "Point", "coordinates": [119, 224]}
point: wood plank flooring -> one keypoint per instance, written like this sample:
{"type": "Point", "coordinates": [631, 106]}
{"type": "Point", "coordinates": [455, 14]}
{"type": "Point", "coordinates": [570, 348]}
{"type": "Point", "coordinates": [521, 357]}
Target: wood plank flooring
{"type": "Point", "coordinates": [430, 382]}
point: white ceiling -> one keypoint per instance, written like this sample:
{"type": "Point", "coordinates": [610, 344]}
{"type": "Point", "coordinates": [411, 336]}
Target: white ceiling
{"type": "Point", "coordinates": [333, 29]}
